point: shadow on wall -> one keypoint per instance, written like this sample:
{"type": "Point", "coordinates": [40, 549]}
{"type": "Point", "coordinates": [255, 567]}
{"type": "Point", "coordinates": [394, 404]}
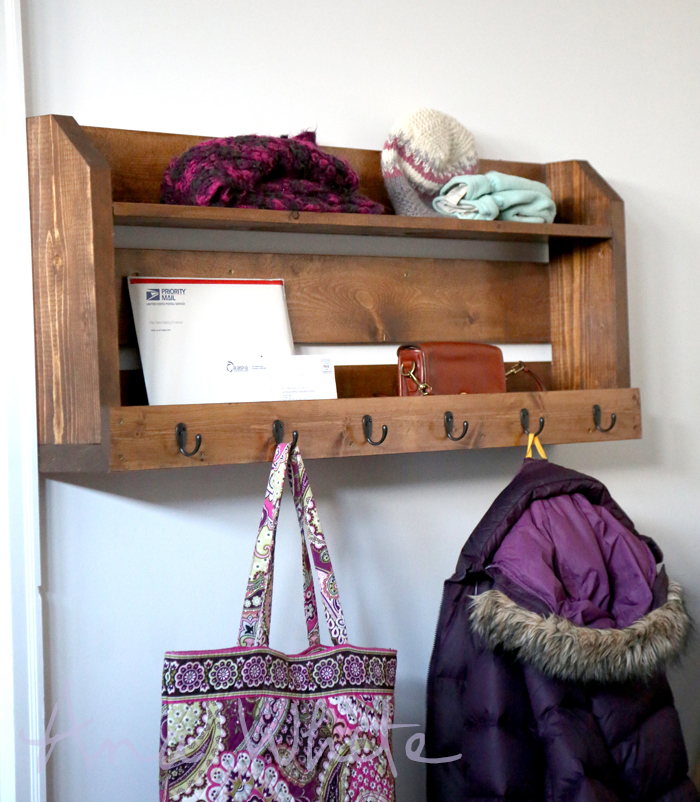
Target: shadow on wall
{"type": "Point", "coordinates": [176, 487]}
{"type": "Point", "coordinates": [182, 487]}
{"type": "Point", "coordinates": [410, 709]}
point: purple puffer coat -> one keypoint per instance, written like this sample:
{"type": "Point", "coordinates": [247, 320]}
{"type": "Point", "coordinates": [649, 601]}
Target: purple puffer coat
{"type": "Point", "coordinates": [547, 673]}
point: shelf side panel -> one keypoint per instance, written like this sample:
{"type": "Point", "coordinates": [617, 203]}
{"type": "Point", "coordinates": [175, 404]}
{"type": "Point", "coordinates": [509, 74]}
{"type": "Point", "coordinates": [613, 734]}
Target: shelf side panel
{"type": "Point", "coordinates": [588, 286]}
{"type": "Point", "coordinates": [73, 265]}
{"type": "Point", "coordinates": [365, 299]}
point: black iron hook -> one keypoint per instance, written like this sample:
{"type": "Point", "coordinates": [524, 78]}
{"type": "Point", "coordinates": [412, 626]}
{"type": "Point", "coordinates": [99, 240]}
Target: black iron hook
{"type": "Point", "coordinates": [278, 434]}
{"type": "Point", "coordinates": [367, 429]}
{"type": "Point", "coordinates": [449, 426]}
{"type": "Point", "coordinates": [525, 421]}
{"type": "Point", "coordinates": [181, 437]}
{"type": "Point", "coordinates": [596, 419]}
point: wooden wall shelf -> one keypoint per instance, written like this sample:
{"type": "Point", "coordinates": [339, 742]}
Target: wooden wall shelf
{"type": "Point", "coordinates": [86, 181]}
{"type": "Point", "coordinates": [161, 216]}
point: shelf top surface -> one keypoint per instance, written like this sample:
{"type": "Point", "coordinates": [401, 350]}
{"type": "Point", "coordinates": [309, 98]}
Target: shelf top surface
{"type": "Point", "coordinates": [165, 216]}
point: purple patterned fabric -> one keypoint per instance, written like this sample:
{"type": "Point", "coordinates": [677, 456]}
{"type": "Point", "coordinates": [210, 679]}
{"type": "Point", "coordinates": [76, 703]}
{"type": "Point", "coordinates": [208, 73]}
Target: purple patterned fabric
{"type": "Point", "coordinates": [251, 723]}
{"type": "Point", "coordinates": [580, 561]}
{"type": "Point", "coordinates": [265, 172]}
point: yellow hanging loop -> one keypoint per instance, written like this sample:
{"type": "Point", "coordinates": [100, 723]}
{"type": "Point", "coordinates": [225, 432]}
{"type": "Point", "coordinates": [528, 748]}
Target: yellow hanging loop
{"type": "Point", "coordinates": [533, 438]}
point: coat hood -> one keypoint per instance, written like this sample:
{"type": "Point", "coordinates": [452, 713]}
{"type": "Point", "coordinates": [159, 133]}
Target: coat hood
{"type": "Point", "coordinates": [537, 479]}
{"type": "Point", "coordinates": [569, 585]}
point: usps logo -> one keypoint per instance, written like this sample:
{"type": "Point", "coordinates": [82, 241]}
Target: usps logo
{"type": "Point", "coordinates": [153, 295]}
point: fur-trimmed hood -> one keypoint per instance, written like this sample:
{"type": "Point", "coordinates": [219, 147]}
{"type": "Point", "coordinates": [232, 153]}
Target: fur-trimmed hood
{"type": "Point", "coordinates": [573, 589]}
{"type": "Point", "coordinates": [563, 650]}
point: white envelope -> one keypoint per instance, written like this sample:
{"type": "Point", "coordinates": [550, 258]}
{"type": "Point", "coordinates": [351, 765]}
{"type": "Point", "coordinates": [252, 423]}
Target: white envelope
{"type": "Point", "coordinates": [285, 378]}
{"type": "Point", "coordinates": [187, 326]}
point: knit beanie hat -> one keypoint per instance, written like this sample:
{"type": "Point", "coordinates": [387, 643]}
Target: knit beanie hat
{"type": "Point", "coordinates": [423, 151]}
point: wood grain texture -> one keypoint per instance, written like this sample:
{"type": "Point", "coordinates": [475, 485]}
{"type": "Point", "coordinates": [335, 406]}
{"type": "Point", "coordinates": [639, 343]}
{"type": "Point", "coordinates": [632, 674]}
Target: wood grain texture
{"type": "Point", "coordinates": [73, 264]}
{"type": "Point", "coordinates": [588, 290]}
{"type": "Point", "coordinates": [582, 196]}
{"type": "Point", "coordinates": [79, 458]}
{"type": "Point", "coordinates": [364, 299]}
{"type": "Point", "coordinates": [606, 204]}
{"type": "Point", "coordinates": [366, 381]}
{"type": "Point", "coordinates": [71, 458]}
{"type": "Point", "coordinates": [206, 217]}
{"type": "Point", "coordinates": [144, 437]}
{"type": "Point", "coordinates": [138, 159]}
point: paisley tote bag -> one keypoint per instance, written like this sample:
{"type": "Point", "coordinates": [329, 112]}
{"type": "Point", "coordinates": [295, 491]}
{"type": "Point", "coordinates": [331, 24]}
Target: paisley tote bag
{"type": "Point", "coordinates": [251, 723]}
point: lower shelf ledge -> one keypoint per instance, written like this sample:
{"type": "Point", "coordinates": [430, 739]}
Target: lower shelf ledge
{"type": "Point", "coordinates": [143, 438]}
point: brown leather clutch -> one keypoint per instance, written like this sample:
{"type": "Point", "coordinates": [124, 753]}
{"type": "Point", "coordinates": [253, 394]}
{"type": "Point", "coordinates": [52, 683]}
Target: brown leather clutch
{"type": "Point", "coordinates": [447, 368]}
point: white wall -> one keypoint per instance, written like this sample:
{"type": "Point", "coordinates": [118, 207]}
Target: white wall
{"type": "Point", "coordinates": [21, 664]}
{"type": "Point", "coordinates": [140, 563]}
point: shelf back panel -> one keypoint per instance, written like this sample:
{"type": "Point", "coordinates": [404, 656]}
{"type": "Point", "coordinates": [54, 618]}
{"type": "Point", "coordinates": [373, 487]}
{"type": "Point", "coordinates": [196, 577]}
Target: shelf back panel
{"type": "Point", "coordinates": [364, 299]}
{"type": "Point", "coordinates": [138, 160]}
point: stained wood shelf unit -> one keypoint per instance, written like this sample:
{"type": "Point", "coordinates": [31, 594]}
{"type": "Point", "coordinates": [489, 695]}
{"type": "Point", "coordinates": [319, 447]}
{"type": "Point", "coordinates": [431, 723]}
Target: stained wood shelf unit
{"type": "Point", "coordinates": [92, 417]}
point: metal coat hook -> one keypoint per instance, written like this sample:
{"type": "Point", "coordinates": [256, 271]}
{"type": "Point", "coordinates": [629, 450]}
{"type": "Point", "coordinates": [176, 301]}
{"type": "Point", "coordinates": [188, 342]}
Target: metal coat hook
{"type": "Point", "coordinates": [367, 429]}
{"type": "Point", "coordinates": [181, 437]}
{"type": "Point", "coordinates": [596, 419]}
{"type": "Point", "coordinates": [278, 434]}
{"type": "Point", "coordinates": [449, 426]}
{"type": "Point", "coordinates": [525, 421]}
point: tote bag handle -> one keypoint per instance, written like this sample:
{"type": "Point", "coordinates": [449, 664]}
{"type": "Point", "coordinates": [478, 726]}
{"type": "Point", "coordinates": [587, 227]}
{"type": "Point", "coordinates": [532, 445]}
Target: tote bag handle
{"type": "Point", "coordinates": [257, 606]}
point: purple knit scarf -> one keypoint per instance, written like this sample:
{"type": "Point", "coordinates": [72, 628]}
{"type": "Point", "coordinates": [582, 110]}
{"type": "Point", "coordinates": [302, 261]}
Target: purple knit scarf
{"type": "Point", "coordinates": [265, 172]}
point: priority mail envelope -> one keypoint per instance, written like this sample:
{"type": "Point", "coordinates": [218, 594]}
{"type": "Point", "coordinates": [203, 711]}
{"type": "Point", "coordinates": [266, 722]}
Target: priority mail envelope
{"type": "Point", "coordinates": [187, 327]}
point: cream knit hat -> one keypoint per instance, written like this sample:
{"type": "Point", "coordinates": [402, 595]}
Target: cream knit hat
{"type": "Point", "coordinates": [422, 152]}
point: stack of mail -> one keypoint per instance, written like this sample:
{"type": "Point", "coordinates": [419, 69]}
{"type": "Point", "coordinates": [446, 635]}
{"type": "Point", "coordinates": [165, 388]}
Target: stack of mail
{"type": "Point", "coordinates": [220, 340]}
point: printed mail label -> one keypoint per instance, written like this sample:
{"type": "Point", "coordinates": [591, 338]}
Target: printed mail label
{"type": "Point", "coordinates": [188, 327]}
